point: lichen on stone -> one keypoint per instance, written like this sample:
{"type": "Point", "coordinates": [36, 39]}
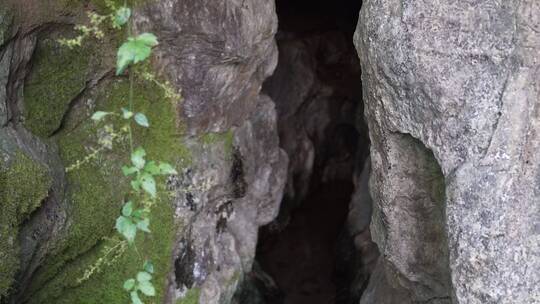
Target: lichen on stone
{"type": "Point", "coordinates": [224, 138]}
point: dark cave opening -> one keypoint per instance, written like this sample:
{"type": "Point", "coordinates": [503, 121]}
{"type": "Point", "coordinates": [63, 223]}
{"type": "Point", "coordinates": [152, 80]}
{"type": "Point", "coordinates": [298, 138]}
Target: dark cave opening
{"type": "Point", "coordinates": [308, 254]}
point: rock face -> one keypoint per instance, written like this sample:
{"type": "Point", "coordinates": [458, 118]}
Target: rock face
{"type": "Point", "coordinates": [219, 53]}
{"type": "Point", "coordinates": [222, 137]}
{"type": "Point", "coordinates": [452, 102]}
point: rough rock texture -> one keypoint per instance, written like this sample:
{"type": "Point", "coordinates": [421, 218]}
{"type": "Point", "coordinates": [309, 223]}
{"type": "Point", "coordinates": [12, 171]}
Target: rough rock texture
{"type": "Point", "coordinates": [452, 100]}
{"type": "Point", "coordinates": [203, 238]}
{"type": "Point", "coordinates": [366, 254]}
{"type": "Point", "coordinates": [229, 196]}
{"type": "Point", "coordinates": [219, 53]}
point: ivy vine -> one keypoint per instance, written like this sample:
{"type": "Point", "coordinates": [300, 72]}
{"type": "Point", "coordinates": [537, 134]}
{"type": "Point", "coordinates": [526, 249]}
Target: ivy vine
{"type": "Point", "coordinates": [134, 218]}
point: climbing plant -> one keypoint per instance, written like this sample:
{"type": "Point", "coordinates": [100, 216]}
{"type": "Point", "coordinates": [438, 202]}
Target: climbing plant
{"type": "Point", "coordinates": [134, 218]}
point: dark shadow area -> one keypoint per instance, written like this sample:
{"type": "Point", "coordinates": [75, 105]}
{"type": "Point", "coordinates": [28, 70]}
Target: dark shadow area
{"type": "Point", "coordinates": [308, 254]}
{"type": "Point", "coordinates": [302, 258]}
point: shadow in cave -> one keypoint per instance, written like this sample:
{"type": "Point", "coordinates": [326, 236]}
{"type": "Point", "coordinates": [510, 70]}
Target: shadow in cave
{"type": "Point", "coordinates": [307, 255]}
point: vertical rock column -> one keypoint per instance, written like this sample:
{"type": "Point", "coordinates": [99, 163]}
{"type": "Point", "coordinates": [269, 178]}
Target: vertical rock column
{"type": "Point", "coordinates": [452, 94]}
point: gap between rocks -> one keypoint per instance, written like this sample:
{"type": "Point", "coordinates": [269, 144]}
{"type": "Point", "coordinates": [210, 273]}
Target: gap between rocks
{"type": "Point", "coordinates": [308, 254]}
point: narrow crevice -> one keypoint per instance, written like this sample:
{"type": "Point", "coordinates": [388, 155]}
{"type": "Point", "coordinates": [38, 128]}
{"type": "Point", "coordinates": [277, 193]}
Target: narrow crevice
{"type": "Point", "coordinates": [312, 253]}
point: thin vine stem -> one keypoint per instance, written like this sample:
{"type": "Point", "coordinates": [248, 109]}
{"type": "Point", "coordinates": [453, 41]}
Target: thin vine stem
{"type": "Point", "coordinates": [131, 80]}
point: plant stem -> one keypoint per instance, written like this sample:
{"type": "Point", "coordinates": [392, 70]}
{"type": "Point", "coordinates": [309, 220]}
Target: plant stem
{"type": "Point", "coordinates": [130, 97]}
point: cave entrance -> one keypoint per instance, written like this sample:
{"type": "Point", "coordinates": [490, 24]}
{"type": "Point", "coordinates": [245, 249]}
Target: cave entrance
{"type": "Point", "coordinates": [308, 254]}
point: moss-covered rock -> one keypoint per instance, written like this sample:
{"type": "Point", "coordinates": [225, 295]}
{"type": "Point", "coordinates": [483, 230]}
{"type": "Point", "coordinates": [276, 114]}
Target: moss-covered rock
{"type": "Point", "coordinates": [97, 190]}
{"type": "Point", "coordinates": [192, 297]}
{"type": "Point", "coordinates": [58, 104]}
{"type": "Point", "coordinates": [59, 74]}
{"type": "Point", "coordinates": [24, 184]}
{"type": "Point", "coordinates": [225, 139]}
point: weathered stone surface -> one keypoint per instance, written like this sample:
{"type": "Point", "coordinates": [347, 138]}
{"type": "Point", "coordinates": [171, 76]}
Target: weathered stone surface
{"type": "Point", "coordinates": [229, 195]}
{"type": "Point", "coordinates": [365, 253]}
{"type": "Point", "coordinates": [459, 79]}
{"type": "Point", "coordinates": [218, 52]}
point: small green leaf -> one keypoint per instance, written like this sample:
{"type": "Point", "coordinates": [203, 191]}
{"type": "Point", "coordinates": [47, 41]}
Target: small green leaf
{"type": "Point", "coordinates": [129, 284]}
{"type": "Point", "coordinates": [166, 169]}
{"type": "Point", "coordinates": [134, 50]}
{"type": "Point", "coordinates": [148, 266]}
{"type": "Point", "coordinates": [122, 16]}
{"type": "Point", "coordinates": [129, 170]}
{"type": "Point", "coordinates": [135, 298]}
{"type": "Point", "coordinates": [151, 168]}
{"type": "Point", "coordinates": [126, 227]}
{"type": "Point", "coordinates": [127, 209]}
{"type": "Point", "coordinates": [137, 158]}
{"type": "Point", "coordinates": [141, 119]}
{"type": "Point", "coordinates": [149, 184]}
{"type": "Point", "coordinates": [148, 39]}
{"type": "Point", "coordinates": [99, 115]}
{"type": "Point", "coordinates": [143, 225]}
{"type": "Point", "coordinates": [147, 288]}
{"type": "Point", "coordinates": [137, 213]}
{"type": "Point", "coordinates": [143, 276]}
{"type": "Point", "coordinates": [136, 185]}
{"type": "Point", "coordinates": [126, 114]}
{"type": "Point", "coordinates": [123, 61]}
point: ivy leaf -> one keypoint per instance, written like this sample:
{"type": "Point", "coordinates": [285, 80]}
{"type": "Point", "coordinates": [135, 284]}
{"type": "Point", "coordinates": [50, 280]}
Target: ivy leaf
{"type": "Point", "coordinates": [151, 168]}
{"type": "Point", "coordinates": [126, 227]}
{"type": "Point", "coordinates": [166, 169]}
{"type": "Point", "coordinates": [129, 170]}
{"type": "Point", "coordinates": [141, 119]}
{"type": "Point", "coordinates": [143, 276]}
{"type": "Point", "coordinates": [135, 298]}
{"type": "Point", "coordinates": [149, 184]}
{"type": "Point", "coordinates": [126, 114]}
{"type": "Point", "coordinates": [143, 225]}
{"type": "Point", "coordinates": [137, 158]}
{"type": "Point", "coordinates": [147, 288]}
{"type": "Point", "coordinates": [127, 209]}
{"type": "Point", "coordinates": [148, 266]}
{"type": "Point", "coordinates": [122, 16]}
{"type": "Point", "coordinates": [99, 115]}
{"type": "Point", "coordinates": [134, 50]}
{"type": "Point", "coordinates": [129, 284]}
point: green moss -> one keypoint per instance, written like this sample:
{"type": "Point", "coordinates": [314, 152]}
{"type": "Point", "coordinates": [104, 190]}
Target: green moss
{"type": "Point", "coordinates": [97, 190]}
{"type": "Point", "coordinates": [58, 75]}
{"type": "Point", "coordinates": [225, 138]}
{"type": "Point", "coordinates": [192, 297]}
{"type": "Point", "coordinates": [24, 183]}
